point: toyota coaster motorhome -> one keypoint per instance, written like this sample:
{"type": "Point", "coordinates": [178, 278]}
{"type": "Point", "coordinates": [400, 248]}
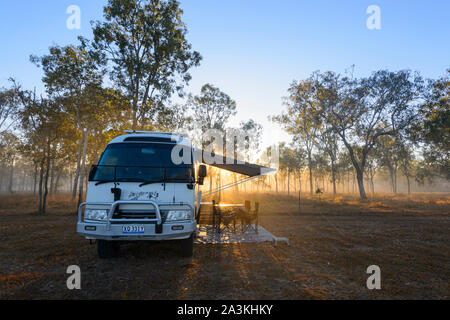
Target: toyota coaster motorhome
{"type": "Point", "coordinates": [143, 188]}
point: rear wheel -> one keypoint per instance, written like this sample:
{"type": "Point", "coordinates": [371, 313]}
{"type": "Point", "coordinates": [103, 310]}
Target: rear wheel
{"type": "Point", "coordinates": [107, 249]}
{"type": "Point", "coordinates": [187, 246]}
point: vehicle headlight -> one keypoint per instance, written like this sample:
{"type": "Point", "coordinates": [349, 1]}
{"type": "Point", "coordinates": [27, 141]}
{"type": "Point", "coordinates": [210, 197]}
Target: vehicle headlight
{"type": "Point", "coordinates": [179, 215]}
{"type": "Point", "coordinates": [95, 214]}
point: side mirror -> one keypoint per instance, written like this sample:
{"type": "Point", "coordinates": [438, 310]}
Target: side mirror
{"type": "Point", "coordinates": [202, 171]}
{"type": "Point", "coordinates": [92, 173]}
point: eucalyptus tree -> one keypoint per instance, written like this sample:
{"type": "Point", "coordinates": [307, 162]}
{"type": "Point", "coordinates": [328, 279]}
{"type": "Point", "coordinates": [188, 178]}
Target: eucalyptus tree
{"type": "Point", "coordinates": [362, 111]}
{"type": "Point", "coordinates": [169, 117]}
{"type": "Point", "coordinates": [344, 168]}
{"type": "Point", "coordinates": [407, 163]}
{"type": "Point", "coordinates": [252, 132]}
{"type": "Point", "coordinates": [9, 106]}
{"type": "Point", "coordinates": [300, 120]}
{"type": "Point", "coordinates": [73, 74]}
{"type": "Point", "coordinates": [42, 123]}
{"type": "Point", "coordinates": [9, 145]}
{"type": "Point", "coordinates": [321, 169]}
{"type": "Point", "coordinates": [287, 163]}
{"type": "Point", "coordinates": [299, 162]}
{"type": "Point", "coordinates": [387, 150]}
{"type": "Point", "coordinates": [104, 106]}
{"type": "Point", "coordinates": [211, 109]}
{"type": "Point", "coordinates": [328, 142]}
{"type": "Point", "coordinates": [434, 130]}
{"type": "Point", "coordinates": [267, 160]}
{"type": "Point", "coordinates": [147, 50]}
{"type": "Point", "coordinates": [243, 143]}
{"type": "Point", "coordinates": [372, 165]}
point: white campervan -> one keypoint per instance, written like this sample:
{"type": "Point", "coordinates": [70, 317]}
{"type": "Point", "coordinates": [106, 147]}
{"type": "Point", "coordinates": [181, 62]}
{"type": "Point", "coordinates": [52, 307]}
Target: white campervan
{"type": "Point", "coordinates": [143, 188]}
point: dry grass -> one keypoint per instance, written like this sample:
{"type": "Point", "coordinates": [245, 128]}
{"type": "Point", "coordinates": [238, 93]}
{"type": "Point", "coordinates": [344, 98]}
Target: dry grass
{"type": "Point", "coordinates": [333, 241]}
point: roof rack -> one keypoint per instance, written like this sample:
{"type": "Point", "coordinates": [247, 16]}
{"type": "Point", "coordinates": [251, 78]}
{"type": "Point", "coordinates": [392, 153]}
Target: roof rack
{"type": "Point", "coordinates": [157, 132]}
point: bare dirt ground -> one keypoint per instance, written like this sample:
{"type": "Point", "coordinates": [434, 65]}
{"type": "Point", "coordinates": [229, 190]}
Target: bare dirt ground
{"type": "Point", "coordinates": [332, 244]}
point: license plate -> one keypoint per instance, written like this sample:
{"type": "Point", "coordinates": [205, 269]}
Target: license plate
{"type": "Point", "coordinates": [133, 229]}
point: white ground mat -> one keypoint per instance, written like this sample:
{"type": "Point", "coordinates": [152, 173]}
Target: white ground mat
{"type": "Point", "coordinates": [207, 234]}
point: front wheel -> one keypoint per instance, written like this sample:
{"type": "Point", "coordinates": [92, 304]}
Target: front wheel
{"type": "Point", "coordinates": [187, 246]}
{"type": "Point", "coordinates": [107, 249]}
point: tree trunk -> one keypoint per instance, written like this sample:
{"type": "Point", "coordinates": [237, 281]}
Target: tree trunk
{"type": "Point", "coordinates": [1, 178]}
{"type": "Point", "coordinates": [70, 179]}
{"type": "Point", "coordinates": [395, 180]}
{"type": "Point", "coordinates": [41, 178]}
{"type": "Point", "coordinates": [86, 180]}
{"type": "Point", "coordinates": [288, 180]}
{"type": "Point", "coordinates": [134, 115]}
{"type": "Point", "coordinates": [300, 182]}
{"type": "Point", "coordinates": [24, 178]}
{"type": "Point", "coordinates": [77, 171]}
{"type": "Point", "coordinates": [409, 184]}
{"type": "Point", "coordinates": [348, 181]}
{"type": "Point", "coordinates": [52, 175]}
{"type": "Point", "coordinates": [35, 178]}
{"type": "Point", "coordinates": [83, 166]}
{"type": "Point", "coordinates": [311, 191]}
{"type": "Point", "coordinates": [11, 177]}
{"type": "Point", "coordinates": [392, 175]}
{"type": "Point", "coordinates": [373, 186]}
{"type": "Point", "coordinates": [360, 179]}
{"type": "Point", "coordinates": [295, 184]}
{"type": "Point", "coordinates": [353, 182]}
{"type": "Point", "coordinates": [47, 172]}
{"type": "Point", "coordinates": [333, 177]}
{"type": "Point", "coordinates": [276, 182]}
{"type": "Point", "coordinates": [58, 177]}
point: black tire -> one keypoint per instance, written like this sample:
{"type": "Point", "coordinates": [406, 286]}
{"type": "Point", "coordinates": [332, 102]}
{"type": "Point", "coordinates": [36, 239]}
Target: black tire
{"type": "Point", "coordinates": [107, 249]}
{"type": "Point", "coordinates": [187, 246]}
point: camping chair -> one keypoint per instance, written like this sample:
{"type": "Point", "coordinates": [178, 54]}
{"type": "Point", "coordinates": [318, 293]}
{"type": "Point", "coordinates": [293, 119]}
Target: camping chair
{"type": "Point", "coordinates": [227, 221]}
{"type": "Point", "coordinates": [249, 217]}
{"type": "Point", "coordinates": [223, 219]}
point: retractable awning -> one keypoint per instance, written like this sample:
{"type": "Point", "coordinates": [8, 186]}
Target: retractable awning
{"type": "Point", "coordinates": [252, 171]}
{"type": "Point", "coordinates": [234, 165]}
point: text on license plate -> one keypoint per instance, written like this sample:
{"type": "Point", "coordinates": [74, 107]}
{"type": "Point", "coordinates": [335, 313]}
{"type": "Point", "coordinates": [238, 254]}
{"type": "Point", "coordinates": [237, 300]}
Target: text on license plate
{"type": "Point", "coordinates": [133, 229]}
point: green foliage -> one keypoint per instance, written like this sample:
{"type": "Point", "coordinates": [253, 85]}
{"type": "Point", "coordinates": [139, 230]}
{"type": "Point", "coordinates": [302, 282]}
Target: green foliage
{"type": "Point", "coordinates": [9, 144]}
{"type": "Point", "coordinates": [252, 136]}
{"type": "Point", "coordinates": [212, 108]}
{"type": "Point", "coordinates": [300, 118]}
{"type": "Point", "coordinates": [359, 112]}
{"type": "Point", "coordinates": [434, 131]}
{"type": "Point", "coordinates": [145, 44]}
{"type": "Point", "coordinates": [9, 106]}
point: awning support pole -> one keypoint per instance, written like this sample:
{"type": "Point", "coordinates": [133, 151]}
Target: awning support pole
{"type": "Point", "coordinates": [230, 186]}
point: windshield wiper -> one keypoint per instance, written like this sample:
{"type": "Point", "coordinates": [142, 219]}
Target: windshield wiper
{"type": "Point", "coordinates": [103, 181]}
{"type": "Point", "coordinates": [149, 182]}
{"type": "Point", "coordinates": [156, 181]}
{"type": "Point", "coordinates": [120, 180]}
{"type": "Point", "coordinates": [167, 181]}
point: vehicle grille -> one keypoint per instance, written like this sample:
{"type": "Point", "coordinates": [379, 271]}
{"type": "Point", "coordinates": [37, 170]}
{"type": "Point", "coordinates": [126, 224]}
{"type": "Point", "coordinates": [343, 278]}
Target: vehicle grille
{"type": "Point", "coordinates": [135, 215]}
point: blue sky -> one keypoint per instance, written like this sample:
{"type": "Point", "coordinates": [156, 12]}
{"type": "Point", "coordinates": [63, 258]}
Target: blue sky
{"type": "Point", "coordinates": [253, 49]}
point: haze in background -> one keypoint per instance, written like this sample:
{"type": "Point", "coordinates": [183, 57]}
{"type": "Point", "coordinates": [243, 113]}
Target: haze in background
{"type": "Point", "coordinates": [252, 50]}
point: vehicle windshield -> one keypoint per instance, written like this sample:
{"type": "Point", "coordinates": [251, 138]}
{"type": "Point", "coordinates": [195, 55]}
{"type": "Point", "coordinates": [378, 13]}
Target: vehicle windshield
{"type": "Point", "coordinates": [142, 162]}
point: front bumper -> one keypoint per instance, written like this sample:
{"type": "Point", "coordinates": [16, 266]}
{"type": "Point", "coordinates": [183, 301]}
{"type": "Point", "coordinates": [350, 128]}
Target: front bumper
{"type": "Point", "coordinates": [154, 229]}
